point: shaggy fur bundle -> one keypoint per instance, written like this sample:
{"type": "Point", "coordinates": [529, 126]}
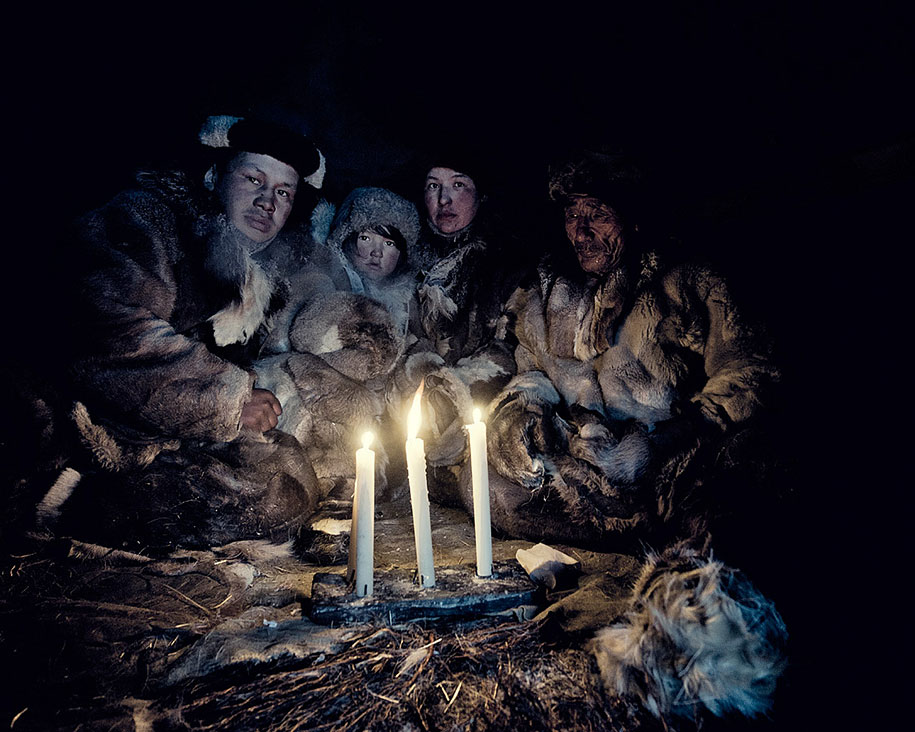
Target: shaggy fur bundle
{"type": "Point", "coordinates": [353, 333]}
{"type": "Point", "coordinates": [698, 635]}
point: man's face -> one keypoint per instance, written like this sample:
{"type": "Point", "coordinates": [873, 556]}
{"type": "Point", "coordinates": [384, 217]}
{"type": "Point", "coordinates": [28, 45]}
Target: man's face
{"type": "Point", "coordinates": [375, 256]}
{"type": "Point", "coordinates": [596, 232]}
{"type": "Point", "coordinates": [451, 199]}
{"type": "Point", "coordinates": [257, 192]}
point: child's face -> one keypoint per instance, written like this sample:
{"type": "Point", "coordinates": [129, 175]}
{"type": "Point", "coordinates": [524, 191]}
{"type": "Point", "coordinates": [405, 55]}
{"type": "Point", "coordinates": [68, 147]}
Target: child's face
{"type": "Point", "coordinates": [374, 255]}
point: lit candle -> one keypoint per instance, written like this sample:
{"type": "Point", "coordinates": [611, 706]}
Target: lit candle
{"type": "Point", "coordinates": [419, 494]}
{"type": "Point", "coordinates": [479, 471]}
{"type": "Point", "coordinates": [362, 533]}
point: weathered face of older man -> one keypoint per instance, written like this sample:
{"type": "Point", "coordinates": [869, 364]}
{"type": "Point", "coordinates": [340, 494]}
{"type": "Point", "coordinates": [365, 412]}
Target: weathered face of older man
{"type": "Point", "coordinates": [258, 192]}
{"type": "Point", "coordinates": [596, 232]}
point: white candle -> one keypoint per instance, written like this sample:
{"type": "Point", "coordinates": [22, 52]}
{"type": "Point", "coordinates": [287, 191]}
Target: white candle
{"type": "Point", "coordinates": [479, 471]}
{"type": "Point", "coordinates": [419, 494]}
{"type": "Point", "coordinates": [362, 534]}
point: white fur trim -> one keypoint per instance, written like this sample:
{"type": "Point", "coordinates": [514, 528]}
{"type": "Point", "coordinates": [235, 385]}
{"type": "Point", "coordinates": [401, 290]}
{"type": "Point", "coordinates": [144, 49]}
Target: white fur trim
{"type": "Point", "coordinates": [316, 179]}
{"type": "Point", "coordinates": [330, 341]}
{"type": "Point", "coordinates": [321, 219]}
{"type": "Point", "coordinates": [239, 321]}
{"type": "Point", "coordinates": [471, 370]}
{"type": "Point", "coordinates": [215, 131]}
{"type": "Point", "coordinates": [437, 301]}
{"type": "Point", "coordinates": [209, 179]}
{"type": "Point", "coordinates": [49, 509]}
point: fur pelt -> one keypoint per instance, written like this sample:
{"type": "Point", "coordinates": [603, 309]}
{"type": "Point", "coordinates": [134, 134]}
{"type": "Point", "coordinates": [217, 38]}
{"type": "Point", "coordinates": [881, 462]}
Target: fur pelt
{"type": "Point", "coordinates": [326, 411]}
{"type": "Point", "coordinates": [543, 483]}
{"type": "Point", "coordinates": [626, 391]}
{"type": "Point", "coordinates": [173, 305]}
{"type": "Point", "coordinates": [198, 496]}
{"type": "Point", "coordinates": [344, 340]}
{"type": "Point", "coordinates": [699, 636]}
{"type": "Point", "coordinates": [644, 350]}
{"type": "Point", "coordinates": [527, 433]}
{"type": "Point", "coordinates": [353, 333]}
{"type": "Point", "coordinates": [465, 280]}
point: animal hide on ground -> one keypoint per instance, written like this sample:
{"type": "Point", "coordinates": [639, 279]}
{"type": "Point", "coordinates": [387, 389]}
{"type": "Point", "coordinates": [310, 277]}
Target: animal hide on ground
{"type": "Point", "coordinates": [699, 636]}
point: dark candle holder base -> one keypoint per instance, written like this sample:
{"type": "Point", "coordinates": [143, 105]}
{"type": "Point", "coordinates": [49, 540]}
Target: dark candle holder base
{"type": "Point", "coordinates": [397, 598]}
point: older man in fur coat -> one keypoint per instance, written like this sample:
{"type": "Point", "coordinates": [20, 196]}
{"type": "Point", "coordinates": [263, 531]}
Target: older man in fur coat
{"type": "Point", "coordinates": [634, 379]}
{"type": "Point", "coordinates": [181, 277]}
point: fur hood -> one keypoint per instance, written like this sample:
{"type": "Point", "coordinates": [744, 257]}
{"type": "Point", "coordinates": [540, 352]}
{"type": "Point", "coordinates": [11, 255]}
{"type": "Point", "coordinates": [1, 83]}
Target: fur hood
{"type": "Point", "coordinates": [368, 207]}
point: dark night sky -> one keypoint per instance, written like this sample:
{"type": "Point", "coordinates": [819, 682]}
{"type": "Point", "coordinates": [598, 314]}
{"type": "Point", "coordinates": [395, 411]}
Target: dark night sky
{"type": "Point", "coordinates": [782, 134]}
{"type": "Point", "coordinates": [727, 100]}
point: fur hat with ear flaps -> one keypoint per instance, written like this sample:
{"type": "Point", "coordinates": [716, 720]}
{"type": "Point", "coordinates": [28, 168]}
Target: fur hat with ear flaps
{"type": "Point", "coordinates": [253, 135]}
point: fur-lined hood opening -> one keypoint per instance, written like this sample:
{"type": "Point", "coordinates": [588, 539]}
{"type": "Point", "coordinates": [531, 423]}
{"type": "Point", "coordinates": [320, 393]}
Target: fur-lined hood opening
{"type": "Point", "coordinates": [366, 208]}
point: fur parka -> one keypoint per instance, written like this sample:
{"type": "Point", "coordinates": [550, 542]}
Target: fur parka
{"type": "Point", "coordinates": [624, 386]}
{"type": "Point", "coordinates": [173, 309]}
{"type": "Point", "coordinates": [465, 280]}
{"type": "Point", "coordinates": [173, 306]}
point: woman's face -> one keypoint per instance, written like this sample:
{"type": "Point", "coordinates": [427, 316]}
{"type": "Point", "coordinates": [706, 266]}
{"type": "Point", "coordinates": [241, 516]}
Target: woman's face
{"type": "Point", "coordinates": [451, 199]}
{"type": "Point", "coordinates": [375, 256]}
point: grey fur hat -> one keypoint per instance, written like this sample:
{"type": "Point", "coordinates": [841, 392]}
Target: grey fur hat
{"type": "Point", "coordinates": [259, 136]}
{"type": "Point", "coordinates": [365, 208]}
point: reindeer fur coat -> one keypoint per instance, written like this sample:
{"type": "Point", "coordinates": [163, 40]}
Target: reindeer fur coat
{"type": "Point", "coordinates": [623, 383]}
{"type": "Point", "coordinates": [174, 304]}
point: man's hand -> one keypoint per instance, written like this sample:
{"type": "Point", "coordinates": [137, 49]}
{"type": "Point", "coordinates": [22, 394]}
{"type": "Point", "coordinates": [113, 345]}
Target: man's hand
{"type": "Point", "coordinates": [261, 411]}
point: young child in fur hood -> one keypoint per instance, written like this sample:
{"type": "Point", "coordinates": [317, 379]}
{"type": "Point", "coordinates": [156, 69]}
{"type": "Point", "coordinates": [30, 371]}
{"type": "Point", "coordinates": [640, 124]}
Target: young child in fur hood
{"type": "Point", "coordinates": [358, 320]}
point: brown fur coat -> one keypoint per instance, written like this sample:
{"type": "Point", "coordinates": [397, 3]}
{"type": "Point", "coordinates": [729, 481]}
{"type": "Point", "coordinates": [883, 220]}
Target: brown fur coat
{"type": "Point", "coordinates": [626, 387]}
{"type": "Point", "coordinates": [173, 305]}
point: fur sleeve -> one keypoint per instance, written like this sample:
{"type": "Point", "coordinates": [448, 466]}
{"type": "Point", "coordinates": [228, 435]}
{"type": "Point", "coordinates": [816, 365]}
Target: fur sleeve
{"type": "Point", "coordinates": [737, 358]}
{"type": "Point", "coordinates": [575, 380]}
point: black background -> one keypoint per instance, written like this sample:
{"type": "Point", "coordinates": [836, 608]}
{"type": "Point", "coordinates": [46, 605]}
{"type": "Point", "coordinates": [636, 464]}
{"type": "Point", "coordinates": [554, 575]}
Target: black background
{"type": "Point", "coordinates": [781, 134]}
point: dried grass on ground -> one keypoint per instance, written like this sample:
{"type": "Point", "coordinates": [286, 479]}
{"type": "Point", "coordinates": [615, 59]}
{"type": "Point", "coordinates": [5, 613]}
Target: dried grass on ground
{"type": "Point", "coordinates": [505, 677]}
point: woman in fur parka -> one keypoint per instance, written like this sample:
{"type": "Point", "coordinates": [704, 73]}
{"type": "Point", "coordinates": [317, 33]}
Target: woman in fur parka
{"type": "Point", "coordinates": [638, 386]}
{"type": "Point", "coordinates": [468, 268]}
{"type": "Point", "coordinates": [350, 334]}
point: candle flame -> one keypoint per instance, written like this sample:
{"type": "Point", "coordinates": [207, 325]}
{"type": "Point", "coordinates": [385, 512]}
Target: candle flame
{"type": "Point", "coordinates": [476, 415]}
{"type": "Point", "coordinates": [415, 418]}
{"type": "Point", "coordinates": [367, 438]}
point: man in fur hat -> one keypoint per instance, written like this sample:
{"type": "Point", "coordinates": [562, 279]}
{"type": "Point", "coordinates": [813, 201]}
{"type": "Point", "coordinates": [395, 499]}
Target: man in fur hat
{"type": "Point", "coordinates": [634, 378]}
{"type": "Point", "coordinates": [180, 279]}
